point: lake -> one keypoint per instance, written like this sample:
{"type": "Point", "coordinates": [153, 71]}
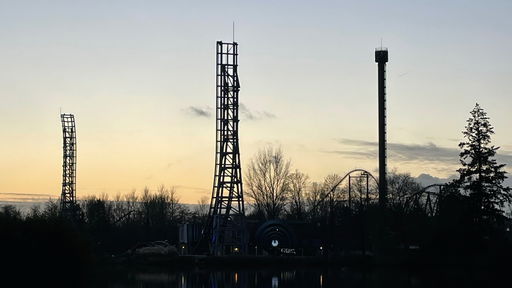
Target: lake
{"type": "Point", "coordinates": [283, 278]}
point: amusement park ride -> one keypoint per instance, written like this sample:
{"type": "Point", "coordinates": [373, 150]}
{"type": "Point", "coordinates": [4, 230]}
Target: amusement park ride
{"type": "Point", "coordinates": [225, 231]}
{"type": "Point", "coordinates": [68, 206]}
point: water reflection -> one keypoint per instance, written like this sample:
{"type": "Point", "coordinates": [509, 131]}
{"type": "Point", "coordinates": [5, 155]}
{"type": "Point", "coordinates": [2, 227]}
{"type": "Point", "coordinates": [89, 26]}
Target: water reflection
{"type": "Point", "coordinates": [271, 278]}
{"type": "Point", "coordinates": [275, 282]}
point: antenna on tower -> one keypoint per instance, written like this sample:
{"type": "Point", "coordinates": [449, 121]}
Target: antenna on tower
{"type": "Point", "coordinates": [233, 31]}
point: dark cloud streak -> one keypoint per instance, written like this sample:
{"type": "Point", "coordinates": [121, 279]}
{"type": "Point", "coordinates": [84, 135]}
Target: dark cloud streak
{"type": "Point", "coordinates": [255, 115]}
{"type": "Point", "coordinates": [410, 152]}
{"type": "Point", "coordinates": [245, 113]}
{"type": "Point", "coordinates": [199, 112]}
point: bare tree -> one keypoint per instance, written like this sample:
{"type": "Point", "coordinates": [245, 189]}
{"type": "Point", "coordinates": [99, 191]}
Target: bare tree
{"type": "Point", "coordinates": [119, 208]}
{"type": "Point", "coordinates": [320, 198]}
{"type": "Point", "coordinates": [401, 186]}
{"type": "Point", "coordinates": [132, 205]}
{"type": "Point", "coordinates": [97, 212]}
{"type": "Point", "coordinates": [316, 201]}
{"type": "Point", "coordinates": [177, 211]}
{"type": "Point", "coordinates": [267, 182]}
{"type": "Point", "coordinates": [163, 207]}
{"type": "Point", "coordinates": [51, 209]}
{"type": "Point", "coordinates": [202, 207]}
{"type": "Point", "coordinates": [297, 201]}
{"type": "Point", "coordinates": [337, 194]}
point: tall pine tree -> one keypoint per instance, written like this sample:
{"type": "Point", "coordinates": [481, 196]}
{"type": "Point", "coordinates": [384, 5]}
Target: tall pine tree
{"type": "Point", "coordinates": [480, 175]}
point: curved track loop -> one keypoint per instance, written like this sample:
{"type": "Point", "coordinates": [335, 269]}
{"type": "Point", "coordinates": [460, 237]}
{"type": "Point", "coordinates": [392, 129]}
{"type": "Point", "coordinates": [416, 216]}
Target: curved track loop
{"type": "Point", "coordinates": [427, 198]}
{"type": "Point", "coordinates": [363, 173]}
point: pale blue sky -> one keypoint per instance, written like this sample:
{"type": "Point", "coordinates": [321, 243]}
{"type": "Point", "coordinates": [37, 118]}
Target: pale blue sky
{"type": "Point", "coordinates": [131, 70]}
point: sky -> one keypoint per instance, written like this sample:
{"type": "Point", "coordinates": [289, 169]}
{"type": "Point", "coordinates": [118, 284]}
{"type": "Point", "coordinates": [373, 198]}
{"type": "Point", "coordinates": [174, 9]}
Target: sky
{"type": "Point", "coordinates": [139, 76]}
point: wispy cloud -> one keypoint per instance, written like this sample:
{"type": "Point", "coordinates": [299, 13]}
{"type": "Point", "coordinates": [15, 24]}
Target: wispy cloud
{"type": "Point", "coordinates": [429, 152]}
{"type": "Point", "coordinates": [196, 111]}
{"type": "Point", "coordinates": [194, 189]}
{"type": "Point", "coordinates": [399, 151]}
{"type": "Point", "coordinates": [255, 115]}
{"type": "Point", "coordinates": [426, 179]}
{"type": "Point", "coordinates": [25, 197]}
{"type": "Point", "coordinates": [245, 113]}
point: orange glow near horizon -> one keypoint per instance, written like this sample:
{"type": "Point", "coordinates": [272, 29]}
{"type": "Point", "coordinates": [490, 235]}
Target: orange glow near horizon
{"type": "Point", "coordinates": [140, 80]}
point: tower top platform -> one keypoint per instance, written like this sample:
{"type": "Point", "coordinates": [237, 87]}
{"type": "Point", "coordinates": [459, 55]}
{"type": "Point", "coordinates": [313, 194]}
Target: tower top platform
{"type": "Point", "coordinates": [381, 55]}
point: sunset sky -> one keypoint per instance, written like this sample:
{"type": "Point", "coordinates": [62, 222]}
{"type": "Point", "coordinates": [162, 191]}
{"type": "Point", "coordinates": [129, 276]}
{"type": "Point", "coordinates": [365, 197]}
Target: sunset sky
{"type": "Point", "coordinates": [140, 78]}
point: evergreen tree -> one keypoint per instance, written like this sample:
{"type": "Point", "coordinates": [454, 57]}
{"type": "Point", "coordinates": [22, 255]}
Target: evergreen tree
{"type": "Point", "coordinates": [480, 175]}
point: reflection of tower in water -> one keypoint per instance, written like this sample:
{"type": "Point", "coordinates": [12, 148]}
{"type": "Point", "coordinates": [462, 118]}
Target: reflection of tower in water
{"type": "Point", "coordinates": [275, 282]}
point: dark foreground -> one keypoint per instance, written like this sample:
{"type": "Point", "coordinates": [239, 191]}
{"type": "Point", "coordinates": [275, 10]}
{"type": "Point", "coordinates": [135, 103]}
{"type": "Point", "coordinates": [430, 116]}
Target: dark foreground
{"type": "Point", "coordinates": [257, 271]}
{"type": "Point", "coordinates": [321, 276]}
{"type": "Point", "coordinates": [248, 262]}
{"type": "Point", "coordinates": [352, 270]}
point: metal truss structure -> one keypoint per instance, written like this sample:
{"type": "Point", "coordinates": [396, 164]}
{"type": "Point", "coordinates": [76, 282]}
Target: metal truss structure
{"type": "Point", "coordinates": [226, 218]}
{"type": "Point", "coordinates": [358, 190]}
{"type": "Point", "coordinates": [428, 199]}
{"type": "Point", "coordinates": [68, 197]}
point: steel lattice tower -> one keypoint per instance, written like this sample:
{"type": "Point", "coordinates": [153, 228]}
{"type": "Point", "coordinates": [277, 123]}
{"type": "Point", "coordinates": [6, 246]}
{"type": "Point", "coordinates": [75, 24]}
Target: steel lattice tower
{"type": "Point", "coordinates": [68, 196]}
{"type": "Point", "coordinates": [226, 224]}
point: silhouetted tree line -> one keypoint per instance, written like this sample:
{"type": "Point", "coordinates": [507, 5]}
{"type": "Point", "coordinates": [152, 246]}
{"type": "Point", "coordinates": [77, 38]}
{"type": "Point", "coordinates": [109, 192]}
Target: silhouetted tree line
{"type": "Point", "coordinates": [469, 220]}
{"type": "Point", "coordinates": [45, 243]}
{"type": "Point", "coordinates": [465, 221]}
{"type": "Point", "coordinates": [40, 248]}
{"type": "Point", "coordinates": [116, 225]}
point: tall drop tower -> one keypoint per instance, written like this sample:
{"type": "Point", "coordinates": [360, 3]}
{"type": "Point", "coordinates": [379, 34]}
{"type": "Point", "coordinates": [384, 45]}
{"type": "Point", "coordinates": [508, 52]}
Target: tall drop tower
{"type": "Point", "coordinates": [226, 218]}
{"type": "Point", "coordinates": [68, 207]}
{"type": "Point", "coordinates": [381, 57]}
